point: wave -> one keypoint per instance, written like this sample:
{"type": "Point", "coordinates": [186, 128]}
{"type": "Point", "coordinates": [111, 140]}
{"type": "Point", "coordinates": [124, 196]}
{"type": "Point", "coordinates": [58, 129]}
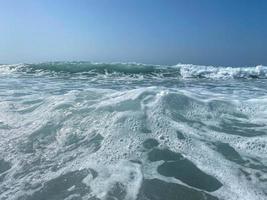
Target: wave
{"type": "Point", "coordinates": [180, 70]}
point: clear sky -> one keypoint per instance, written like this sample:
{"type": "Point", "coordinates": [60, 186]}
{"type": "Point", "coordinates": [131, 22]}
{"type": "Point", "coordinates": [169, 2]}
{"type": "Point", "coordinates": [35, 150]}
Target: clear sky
{"type": "Point", "coordinates": [208, 32]}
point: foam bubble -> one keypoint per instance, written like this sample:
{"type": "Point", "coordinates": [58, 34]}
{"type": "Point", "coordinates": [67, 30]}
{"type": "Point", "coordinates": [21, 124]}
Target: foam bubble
{"type": "Point", "coordinates": [122, 181]}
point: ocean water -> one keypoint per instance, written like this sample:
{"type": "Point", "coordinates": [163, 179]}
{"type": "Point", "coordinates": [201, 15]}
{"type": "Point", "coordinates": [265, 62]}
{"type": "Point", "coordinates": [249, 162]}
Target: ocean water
{"type": "Point", "coordinates": [126, 131]}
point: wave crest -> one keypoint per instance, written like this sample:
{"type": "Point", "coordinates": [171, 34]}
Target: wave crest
{"type": "Point", "coordinates": [184, 71]}
{"type": "Point", "coordinates": [194, 71]}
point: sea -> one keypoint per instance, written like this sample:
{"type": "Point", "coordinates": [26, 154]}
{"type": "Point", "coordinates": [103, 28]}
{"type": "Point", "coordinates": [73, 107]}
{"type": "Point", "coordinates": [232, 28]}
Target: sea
{"type": "Point", "coordinates": [131, 131]}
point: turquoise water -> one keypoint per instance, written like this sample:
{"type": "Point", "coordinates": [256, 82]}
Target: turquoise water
{"type": "Point", "coordinates": [81, 130]}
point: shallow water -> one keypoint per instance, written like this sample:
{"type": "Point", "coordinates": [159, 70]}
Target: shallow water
{"type": "Point", "coordinates": [131, 131]}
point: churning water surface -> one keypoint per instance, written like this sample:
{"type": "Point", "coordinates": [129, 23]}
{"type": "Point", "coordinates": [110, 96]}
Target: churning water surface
{"type": "Point", "coordinates": [125, 131]}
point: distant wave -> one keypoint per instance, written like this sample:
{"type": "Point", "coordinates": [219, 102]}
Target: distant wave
{"type": "Point", "coordinates": [180, 70]}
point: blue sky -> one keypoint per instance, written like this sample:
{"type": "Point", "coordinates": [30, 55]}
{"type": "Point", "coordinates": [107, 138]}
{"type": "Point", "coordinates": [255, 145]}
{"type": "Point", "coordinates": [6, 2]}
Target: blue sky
{"type": "Point", "coordinates": [208, 32]}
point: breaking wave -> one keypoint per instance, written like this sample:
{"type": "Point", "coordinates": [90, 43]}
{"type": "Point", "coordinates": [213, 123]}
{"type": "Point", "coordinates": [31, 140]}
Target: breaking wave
{"type": "Point", "coordinates": [185, 71]}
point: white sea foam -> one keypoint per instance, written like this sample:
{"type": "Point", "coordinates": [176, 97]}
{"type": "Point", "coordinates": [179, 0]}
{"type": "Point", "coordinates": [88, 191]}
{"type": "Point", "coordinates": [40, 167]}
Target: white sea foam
{"type": "Point", "coordinates": [87, 136]}
{"type": "Point", "coordinates": [195, 71]}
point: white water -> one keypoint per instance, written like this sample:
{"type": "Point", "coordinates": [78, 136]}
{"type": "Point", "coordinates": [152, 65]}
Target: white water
{"type": "Point", "coordinates": [67, 136]}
